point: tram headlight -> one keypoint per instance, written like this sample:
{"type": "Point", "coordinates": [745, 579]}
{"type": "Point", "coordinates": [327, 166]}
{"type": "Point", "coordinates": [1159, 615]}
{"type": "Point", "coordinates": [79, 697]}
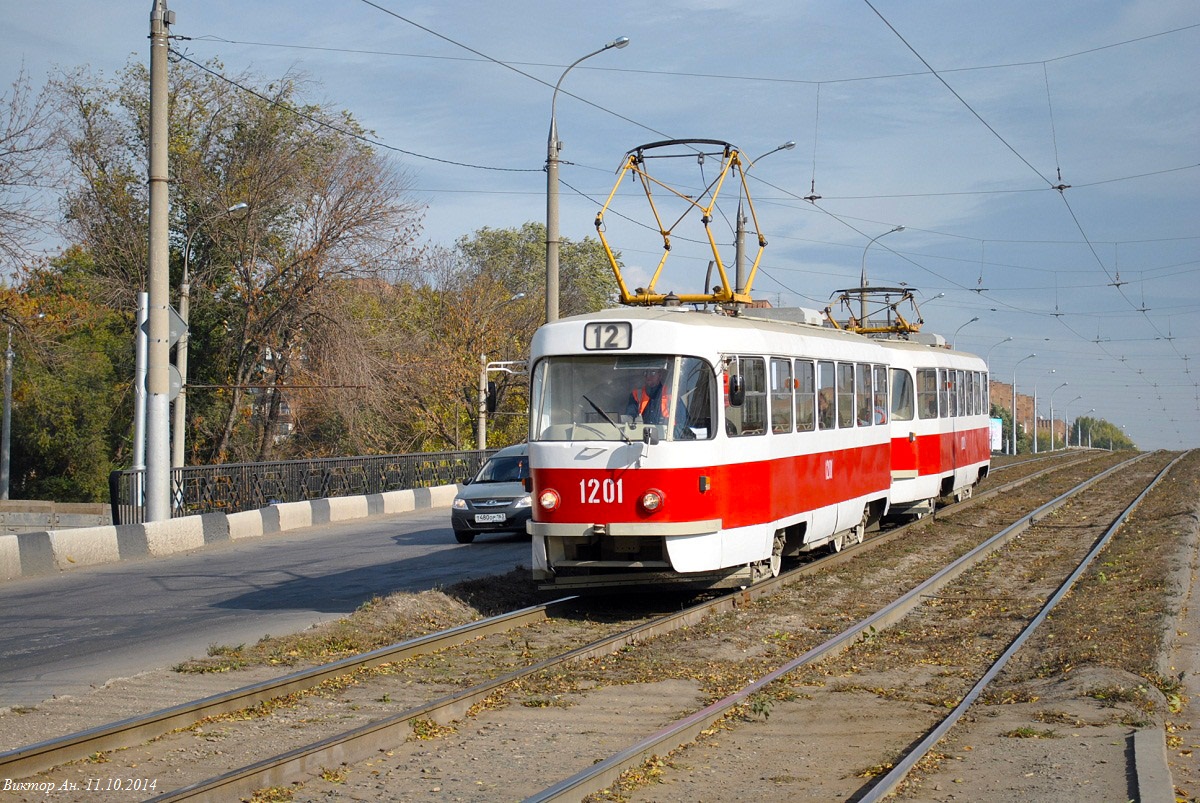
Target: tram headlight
{"type": "Point", "coordinates": [652, 500]}
{"type": "Point", "coordinates": [549, 499]}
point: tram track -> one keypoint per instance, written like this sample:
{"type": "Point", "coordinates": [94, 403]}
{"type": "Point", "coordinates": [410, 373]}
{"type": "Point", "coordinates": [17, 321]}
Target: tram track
{"type": "Point", "coordinates": [609, 771]}
{"type": "Point", "coordinates": [369, 739]}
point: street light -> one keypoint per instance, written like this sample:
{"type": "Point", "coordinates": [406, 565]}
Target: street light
{"type": "Point", "coordinates": [1079, 431]}
{"type": "Point", "coordinates": [739, 243]}
{"type": "Point", "coordinates": [1035, 413]}
{"type": "Point", "coordinates": [1056, 390]}
{"type": "Point", "coordinates": [181, 348]}
{"type": "Point", "coordinates": [553, 147]}
{"type": "Point", "coordinates": [481, 421]}
{"type": "Point", "coordinates": [1013, 444]}
{"type": "Point", "coordinates": [1067, 422]}
{"type": "Point", "coordinates": [954, 339]}
{"type": "Point", "coordinates": [988, 359]}
{"type": "Point", "coordinates": [862, 281]}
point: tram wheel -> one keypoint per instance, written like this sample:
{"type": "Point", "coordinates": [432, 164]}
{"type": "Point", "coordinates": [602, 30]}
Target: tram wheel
{"type": "Point", "coordinates": [859, 531]}
{"type": "Point", "coordinates": [837, 542]}
{"type": "Point", "coordinates": [777, 547]}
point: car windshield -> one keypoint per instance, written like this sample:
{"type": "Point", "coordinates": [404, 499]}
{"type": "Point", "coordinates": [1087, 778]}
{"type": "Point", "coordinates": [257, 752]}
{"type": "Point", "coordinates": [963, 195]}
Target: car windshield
{"type": "Point", "coordinates": [504, 469]}
{"type": "Point", "coordinates": [614, 398]}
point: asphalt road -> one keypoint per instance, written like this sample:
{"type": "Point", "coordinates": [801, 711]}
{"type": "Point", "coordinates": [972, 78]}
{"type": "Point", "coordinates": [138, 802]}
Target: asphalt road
{"type": "Point", "coordinates": [66, 633]}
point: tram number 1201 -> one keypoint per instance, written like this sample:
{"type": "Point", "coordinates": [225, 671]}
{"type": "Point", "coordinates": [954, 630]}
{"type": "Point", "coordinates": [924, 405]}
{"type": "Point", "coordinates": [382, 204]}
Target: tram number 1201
{"type": "Point", "coordinates": [593, 491]}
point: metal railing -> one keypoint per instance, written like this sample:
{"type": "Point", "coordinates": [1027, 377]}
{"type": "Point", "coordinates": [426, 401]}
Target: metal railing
{"type": "Point", "coordinates": [235, 487]}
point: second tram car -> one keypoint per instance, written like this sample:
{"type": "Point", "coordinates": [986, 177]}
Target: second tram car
{"type": "Point", "coordinates": [672, 445]}
{"type": "Point", "coordinates": [940, 446]}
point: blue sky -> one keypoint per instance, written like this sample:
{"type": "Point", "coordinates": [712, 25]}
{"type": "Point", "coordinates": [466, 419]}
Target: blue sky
{"type": "Point", "coordinates": [1099, 280]}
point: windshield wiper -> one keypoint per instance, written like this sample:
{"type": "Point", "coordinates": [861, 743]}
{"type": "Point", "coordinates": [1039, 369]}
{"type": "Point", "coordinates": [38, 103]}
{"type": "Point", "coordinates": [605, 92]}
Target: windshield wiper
{"type": "Point", "coordinates": [608, 418]}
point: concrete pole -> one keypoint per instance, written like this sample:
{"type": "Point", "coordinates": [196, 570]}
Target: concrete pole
{"type": "Point", "coordinates": [553, 148]}
{"type": "Point", "coordinates": [158, 440]}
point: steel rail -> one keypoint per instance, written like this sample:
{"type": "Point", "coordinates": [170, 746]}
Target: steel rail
{"type": "Point", "coordinates": [24, 761]}
{"type": "Point", "coordinates": [606, 772]}
{"type": "Point", "coordinates": [366, 740]}
{"type": "Point", "coordinates": [888, 783]}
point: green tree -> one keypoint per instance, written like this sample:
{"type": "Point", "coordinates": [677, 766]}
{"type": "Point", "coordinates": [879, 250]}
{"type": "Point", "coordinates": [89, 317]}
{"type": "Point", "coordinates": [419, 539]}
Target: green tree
{"type": "Point", "coordinates": [516, 260]}
{"type": "Point", "coordinates": [72, 400]}
{"type": "Point", "coordinates": [324, 209]}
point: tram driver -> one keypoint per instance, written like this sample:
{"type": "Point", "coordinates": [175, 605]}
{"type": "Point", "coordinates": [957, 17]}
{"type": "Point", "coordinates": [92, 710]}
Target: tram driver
{"type": "Point", "coordinates": [651, 404]}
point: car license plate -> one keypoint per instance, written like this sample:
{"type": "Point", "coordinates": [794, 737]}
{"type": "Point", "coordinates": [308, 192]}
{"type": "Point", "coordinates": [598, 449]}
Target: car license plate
{"type": "Point", "coordinates": [489, 518]}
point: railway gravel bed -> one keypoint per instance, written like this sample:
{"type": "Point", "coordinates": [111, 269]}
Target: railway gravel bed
{"type": "Point", "coordinates": [535, 734]}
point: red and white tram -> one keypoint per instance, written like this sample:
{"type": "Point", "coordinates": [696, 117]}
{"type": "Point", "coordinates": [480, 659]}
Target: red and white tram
{"type": "Point", "coordinates": [940, 413]}
{"type": "Point", "coordinates": [702, 446]}
{"type": "Point", "coordinates": [767, 438]}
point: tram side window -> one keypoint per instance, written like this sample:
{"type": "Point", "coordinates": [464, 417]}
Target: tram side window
{"type": "Point", "coordinates": [826, 399]}
{"type": "Point", "coordinates": [902, 395]}
{"type": "Point", "coordinates": [960, 392]}
{"type": "Point", "coordinates": [781, 395]}
{"type": "Point", "coordinates": [972, 396]}
{"type": "Point", "coordinates": [927, 393]}
{"type": "Point", "coordinates": [751, 417]}
{"type": "Point", "coordinates": [806, 386]}
{"type": "Point", "coordinates": [944, 384]}
{"type": "Point", "coordinates": [862, 394]}
{"type": "Point", "coordinates": [845, 394]}
{"type": "Point", "coordinates": [881, 400]}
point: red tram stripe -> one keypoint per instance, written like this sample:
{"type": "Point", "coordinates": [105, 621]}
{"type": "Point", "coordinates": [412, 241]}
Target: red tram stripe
{"type": "Point", "coordinates": [739, 494]}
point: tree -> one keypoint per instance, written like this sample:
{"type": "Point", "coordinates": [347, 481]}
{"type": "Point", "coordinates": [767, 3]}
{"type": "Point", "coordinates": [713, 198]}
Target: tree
{"type": "Point", "coordinates": [516, 260]}
{"type": "Point", "coordinates": [26, 139]}
{"type": "Point", "coordinates": [324, 208]}
{"type": "Point", "coordinates": [72, 401]}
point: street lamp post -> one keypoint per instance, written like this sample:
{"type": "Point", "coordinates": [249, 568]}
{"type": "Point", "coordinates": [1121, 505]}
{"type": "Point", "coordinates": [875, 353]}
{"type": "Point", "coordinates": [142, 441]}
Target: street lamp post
{"type": "Point", "coordinates": [1079, 431]}
{"type": "Point", "coordinates": [954, 339]}
{"type": "Point", "coordinates": [1066, 421]}
{"type": "Point", "coordinates": [988, 358]}
{"type": "Point", "coordinates": [553, 148]}
{"type": "Point", "coordinates": [181, 348]}
{"type": "Point", "coordinates": [739, 242]}
{"type": "Point", "coordinates": [1013, 444]}
{"type": "Point", "coordinates": [481, 420]}
{"type": "Point", "coordinates": [1056, 390]}
{"type": "Point", "coordinates": [862, 279]}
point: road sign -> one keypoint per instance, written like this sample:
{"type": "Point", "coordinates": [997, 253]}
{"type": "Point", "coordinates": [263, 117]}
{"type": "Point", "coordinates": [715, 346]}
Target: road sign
{"type": "Point", "coordinates": [175, 325]}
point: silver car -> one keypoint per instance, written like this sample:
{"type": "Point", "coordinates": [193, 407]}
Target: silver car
{"type": "Point", "coordinates": [495, 500]}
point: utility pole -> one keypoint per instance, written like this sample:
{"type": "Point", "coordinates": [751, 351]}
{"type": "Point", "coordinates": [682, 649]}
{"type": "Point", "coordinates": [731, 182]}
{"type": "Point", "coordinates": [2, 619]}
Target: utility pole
{"type": "Point", "coordinates": [158, 436]}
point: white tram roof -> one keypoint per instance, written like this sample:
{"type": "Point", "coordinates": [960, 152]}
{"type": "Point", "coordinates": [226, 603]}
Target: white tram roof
{"type": "Point", "coordinates": [683, 330]}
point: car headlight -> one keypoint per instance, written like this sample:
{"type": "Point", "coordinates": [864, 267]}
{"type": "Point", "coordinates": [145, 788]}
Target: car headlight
{"type": "Point", "coordinates": [460, 504]}
{"type": "Point", "coordinates": [524, 501]}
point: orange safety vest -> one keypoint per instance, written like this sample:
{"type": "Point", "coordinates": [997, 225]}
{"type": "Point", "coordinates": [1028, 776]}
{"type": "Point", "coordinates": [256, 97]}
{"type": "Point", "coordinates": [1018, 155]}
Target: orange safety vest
{"type": "Point", "coordinates": [643, 399]}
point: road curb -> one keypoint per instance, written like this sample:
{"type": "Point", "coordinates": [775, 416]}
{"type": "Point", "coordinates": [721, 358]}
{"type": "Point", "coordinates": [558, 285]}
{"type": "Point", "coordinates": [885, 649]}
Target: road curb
{"type": "Point", "coordinates": [1154, 783]}
{"type": "Point", "coordinates": [41, 553]}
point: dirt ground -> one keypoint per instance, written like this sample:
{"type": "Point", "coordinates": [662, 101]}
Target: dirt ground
{"type": "Point", "coordinates": [1054, 742]}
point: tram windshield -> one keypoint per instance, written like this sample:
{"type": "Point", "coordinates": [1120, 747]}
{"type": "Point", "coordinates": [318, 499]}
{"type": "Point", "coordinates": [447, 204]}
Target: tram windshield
{"type": "Point", "coordinates": [615, 398]}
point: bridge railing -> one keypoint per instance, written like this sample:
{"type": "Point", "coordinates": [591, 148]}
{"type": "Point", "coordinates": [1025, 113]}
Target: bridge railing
{"type": "Point", "coordinates": [235, 487]}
